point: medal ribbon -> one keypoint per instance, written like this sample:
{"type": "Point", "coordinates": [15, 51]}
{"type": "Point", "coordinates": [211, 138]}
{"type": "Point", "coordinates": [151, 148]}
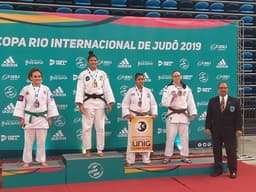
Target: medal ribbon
{"type": "Point", "coordinates": [94, 77]}
{"type": "Point", "coordinates": [139, 93]}
{"type": "Point", "coordinates": [36, 92]}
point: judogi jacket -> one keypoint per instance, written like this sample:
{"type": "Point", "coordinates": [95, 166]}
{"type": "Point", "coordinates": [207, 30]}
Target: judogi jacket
{"type": "Point", "coordinates": [35, 117]}
{"type": "Point", "coordinates": [93, 89]}
{"type": "Point", "coordinates": [130, 103]}
{"type": "Point", "coordinates": [185, 102]}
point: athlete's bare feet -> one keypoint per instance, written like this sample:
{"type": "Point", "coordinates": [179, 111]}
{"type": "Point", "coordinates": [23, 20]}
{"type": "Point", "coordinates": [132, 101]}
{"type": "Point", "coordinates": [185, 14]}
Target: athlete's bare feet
{"type": "Point", "coordinates": [44, 164]}
{"type": "Point", "coordinates": [25, 165]}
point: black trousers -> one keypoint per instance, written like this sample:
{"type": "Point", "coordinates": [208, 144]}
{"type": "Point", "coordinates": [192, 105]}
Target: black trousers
{"type": "Point", "coordinates": [230, 144]}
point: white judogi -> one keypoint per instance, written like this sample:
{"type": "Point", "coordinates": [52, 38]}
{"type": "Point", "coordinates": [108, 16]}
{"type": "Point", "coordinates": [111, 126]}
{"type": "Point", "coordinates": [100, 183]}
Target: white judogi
{"type": "Point", "coordinates": [178, 122]}
{"type": "Point", "coordinates": [130, 105]}
{"type": "Point", "coordinates": [94, 82]}
{"type": "Point", "coordinates": [36, 123]}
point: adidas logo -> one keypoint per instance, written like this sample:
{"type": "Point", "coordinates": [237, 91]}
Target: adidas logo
{"type": "Point", "coordinates": [124, 64]}
{"type": "Point", "coordinates": [123, 133]}
{"type": "Point", "coordinates": [9, 62]}
{"type": "Point", "coordinates": [107, 121]}
{"type": "Point", "coordinates": [147, 79]}
{"type": "Point", "coordinates": [58, 136]}
{"type": "Point", "coordinates": [202, 117]}
{"type": "Point", "coordinates": [8, 109]}
{"type": "Point", "coordinates": [222, 64]}
{"type": "Point", "coordinates": [58, 92]}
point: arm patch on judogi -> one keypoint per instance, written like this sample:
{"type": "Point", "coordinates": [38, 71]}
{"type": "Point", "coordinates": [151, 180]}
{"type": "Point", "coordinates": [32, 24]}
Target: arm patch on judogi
{"type": "Point", "coordinates": [20, 98]}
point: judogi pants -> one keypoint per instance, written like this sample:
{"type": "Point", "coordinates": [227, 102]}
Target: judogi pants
{"type": "Point", "coordinates": [29, 138]}
{"type": "Point", "coordinates": [96, 117]}
{"type": "Point", "coordinates": [171, 132]}
{"type": "Point", "coordinates": [130, 156]}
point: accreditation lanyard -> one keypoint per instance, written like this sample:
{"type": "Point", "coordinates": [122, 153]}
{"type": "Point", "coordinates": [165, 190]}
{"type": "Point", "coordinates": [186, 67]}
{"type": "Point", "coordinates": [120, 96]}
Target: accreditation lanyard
{"type": "Point", "coordinates": [139, 94]}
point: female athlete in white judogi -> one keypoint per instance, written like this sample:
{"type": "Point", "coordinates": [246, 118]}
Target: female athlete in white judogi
{"type": "Point", "coordinates": [179, 100]}
{"type": "Point", "coordinates": [35, 108]}
{"type": "Point", "coordinates": [138, 101]}
{"type": "Point", "coordinates": [93, 92]}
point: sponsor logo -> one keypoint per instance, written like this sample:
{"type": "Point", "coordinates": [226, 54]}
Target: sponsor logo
{"type": "Point", "coordinates": [164, 77]}
{"type": "Point", "coordinates": [9, 62]}
{"type": "Point", "coordinates": [123, 132]}
{"type": "Point", "coordinates": [58, 92]}
{"type": "Point", "coordinates": [75, 77]}
{"type": "Point", "coordinates": [81, 62]}
{"type": "Point", "coordinates": [9, 123]}
{"type": "Point", "coordinates": [104, 62]}
{"type": "Point", "coordinates": [222, 77]}
{"type": "Point", "coordinates": [200, 129]}
{"type": "Point", "coordinates": [58, 136]}
{"type": "Point", "coordinates": [9, 138]}
{"type": "Point", "coordinates": [118, 105]}
{"type": "Point", "coordinates": [184, 64]}
{"type": "Point", "coordinates": [120, 119]}
{"type": "Point", "coordinates": [123, 90]}
{"type": "Point", "coordinates": [79, 134]}
{"type": "Point", "coordinates": [9, 108]}
{"type": "Point", "coordinates": [10, 77]}
{"type": "Point", "coordinates": [59, 121]}
{"type": "Point", "coordinates": [203, 89]}
{"type": "Point", "coordinates": [145, 63]}
{"type": "Point", "coordinates": [62, 106]}
{"type": "Point", "coordinates": [164, 63]}
{"type": "Point", "coordinates": [218, 47]}
{"type": "Point", "coordinates": [204, 144]}
{"type": "Point", "coordinates": [161, 92]}
{"type": "Point", "coordinates": [124, 64]}
{"type": "Point", "coordinates": [34, 62]}
{"type": "Point", "coordinates": [95, 170]}
{"type": "Point", "coordinates": [203, 77]}
{"type": "Point", "coordinates": [202, 103]}
{"type": "Point", "coordinates": [57, 77]}
{"type": "Point", "coordinates": [146, 77]}
{"type": "Point", "coordinates": [222, 64]}
{"type": "Point", "coordinates": [107, 121]}
{"type": "Point", "coordinates": [161, 130]}
{"type": "Point", "coordinates": [187, 77]}
{"type": "Point", "coordinates": [77, 120]}
{"type": "Point", "coordinates": [203, 63]}
{"type": "Point", "coordinates": [59, 62]}
{"type": "Point", "coordinates": [163, 115]}
{"type": "Point", "coordinates": [202, 117]}
{"type": "Point", "coordinates": [108, 133]}
{"type": "Point", "coordinates": [10, 92]}
{"type": "Point", "coordinates": [124, 77]}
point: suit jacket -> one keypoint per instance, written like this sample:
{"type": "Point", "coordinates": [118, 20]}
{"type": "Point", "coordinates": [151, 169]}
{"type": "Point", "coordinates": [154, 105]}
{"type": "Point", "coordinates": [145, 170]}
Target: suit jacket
{"type": "Point", "coordinates": [226, 122]}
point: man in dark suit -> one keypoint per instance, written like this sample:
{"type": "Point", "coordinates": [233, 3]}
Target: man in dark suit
{"type": "Point", "coordinates": [224, 124]}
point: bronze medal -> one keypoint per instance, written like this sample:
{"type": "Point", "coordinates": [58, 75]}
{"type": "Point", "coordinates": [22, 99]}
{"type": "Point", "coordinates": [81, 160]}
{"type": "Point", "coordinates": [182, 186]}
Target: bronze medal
{"type": "Point", "coordinates": [139, 103]}
{"type": "Point", "coordinates": [36, 104]}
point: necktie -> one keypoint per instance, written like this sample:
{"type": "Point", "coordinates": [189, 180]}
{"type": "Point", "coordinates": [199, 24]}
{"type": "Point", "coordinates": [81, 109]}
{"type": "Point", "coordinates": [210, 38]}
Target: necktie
{"type": "Point", "coordinates": [222, 104]}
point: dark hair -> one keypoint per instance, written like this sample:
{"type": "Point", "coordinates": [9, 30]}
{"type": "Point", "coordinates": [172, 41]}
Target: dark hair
{"type": "Point", "coordinates": [222, 82]}
{"type": "Point", "coordinates": [31, 71]}
{"type": "Point", "coordinates": [90, 55]}
{"type": "Point", "coordinates": [137, 75]}
{"type": "Point", "coordinates": [181, 82]}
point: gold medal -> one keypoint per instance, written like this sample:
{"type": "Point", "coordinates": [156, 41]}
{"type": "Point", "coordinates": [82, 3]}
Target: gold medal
{"type": "Point", "coordinates": [94, 84]}
{"type": "Point", "coordinates": [36, 104]}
